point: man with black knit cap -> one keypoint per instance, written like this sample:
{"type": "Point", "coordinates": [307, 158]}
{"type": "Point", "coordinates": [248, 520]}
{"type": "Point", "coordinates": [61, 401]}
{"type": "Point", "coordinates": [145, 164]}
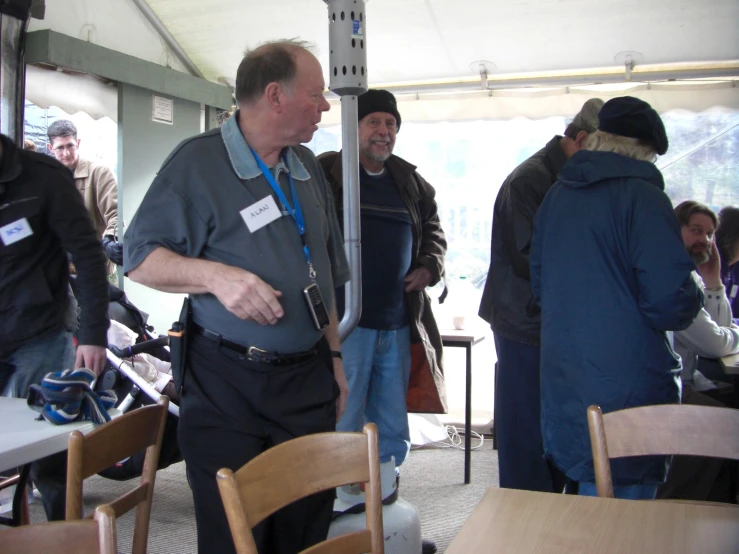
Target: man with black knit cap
{"type": "Point", "coordinates": [507, 304]}
{"type": "Point", "coordinates": [612, 276]}
{"type": "Point", "coordinates": [402, 253]}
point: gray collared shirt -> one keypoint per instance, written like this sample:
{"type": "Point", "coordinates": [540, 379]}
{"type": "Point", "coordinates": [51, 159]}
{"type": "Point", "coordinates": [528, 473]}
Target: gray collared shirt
{"type": "Point", "coordinates": [193, 209]}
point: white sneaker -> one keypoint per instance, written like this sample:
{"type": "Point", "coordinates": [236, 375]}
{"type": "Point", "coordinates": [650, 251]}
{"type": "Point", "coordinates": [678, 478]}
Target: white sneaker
{"type": "Point", "coordinates": [350, 498]}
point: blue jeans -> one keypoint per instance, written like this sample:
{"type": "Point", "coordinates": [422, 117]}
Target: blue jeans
{"type": "Point", "coordinates": [631, 492]}
{"type": "Point", "coordinates": [27, 366]}
{"type": "Point", "coordinates": [378, 365]}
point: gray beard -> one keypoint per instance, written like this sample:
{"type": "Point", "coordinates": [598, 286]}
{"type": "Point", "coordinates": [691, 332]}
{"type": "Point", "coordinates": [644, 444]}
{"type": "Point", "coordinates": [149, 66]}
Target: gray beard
{"type": "Point", "coordinates": [381, 158]}
{"type": "Point", "coordinates": [699, 259]}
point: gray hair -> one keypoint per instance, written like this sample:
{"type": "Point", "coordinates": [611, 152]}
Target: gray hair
{"type": "Point", "coordinates": [268, 63]}
{"type": "Point", "coordinates": [61, 128]}
{"type": "Point", "coordinates": [600, 141]}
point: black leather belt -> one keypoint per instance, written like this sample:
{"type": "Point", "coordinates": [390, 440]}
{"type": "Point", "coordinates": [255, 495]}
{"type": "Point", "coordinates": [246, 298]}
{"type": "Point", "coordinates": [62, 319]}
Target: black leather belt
{"type": "Point", "coordinates": [253, 353]}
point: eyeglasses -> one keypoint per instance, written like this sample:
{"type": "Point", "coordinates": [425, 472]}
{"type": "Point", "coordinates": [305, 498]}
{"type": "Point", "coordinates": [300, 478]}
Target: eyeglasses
{"type": "Point", "coordinates": [701, 232]}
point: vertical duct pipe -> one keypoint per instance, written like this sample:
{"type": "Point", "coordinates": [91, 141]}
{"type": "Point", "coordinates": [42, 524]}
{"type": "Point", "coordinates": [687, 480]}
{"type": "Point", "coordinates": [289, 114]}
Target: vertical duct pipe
{"type": "Point", "coordinates": [348, 79]}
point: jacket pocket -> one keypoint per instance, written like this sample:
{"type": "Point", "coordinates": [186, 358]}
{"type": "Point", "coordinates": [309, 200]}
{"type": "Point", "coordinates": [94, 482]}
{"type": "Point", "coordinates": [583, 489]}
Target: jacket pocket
{"type": "Point", "coordinates": [31, 291]}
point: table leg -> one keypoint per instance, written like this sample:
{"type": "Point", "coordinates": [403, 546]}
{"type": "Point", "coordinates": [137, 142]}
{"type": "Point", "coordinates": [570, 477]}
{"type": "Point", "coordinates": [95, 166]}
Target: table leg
{"type": "Point", "coordinates": [734, 475]}
{"type": "Point", "coordinates": [20, 498]}
{"type": "Point", "coordinates": [468, 414]}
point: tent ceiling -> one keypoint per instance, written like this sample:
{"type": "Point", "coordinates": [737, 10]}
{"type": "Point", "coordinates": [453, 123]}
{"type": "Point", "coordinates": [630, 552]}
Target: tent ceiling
{"type": "Point", "coordinates": [420, 40]}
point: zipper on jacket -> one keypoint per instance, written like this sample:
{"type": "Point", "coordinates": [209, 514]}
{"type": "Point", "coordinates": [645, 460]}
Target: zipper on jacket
{"type": "Point", "coordinates": [14, 202]}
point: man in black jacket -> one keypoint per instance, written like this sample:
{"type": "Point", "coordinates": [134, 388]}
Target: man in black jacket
{"type": "Point", "coordinates": [508, 305]}
{"type": "Point", "coordinates": [42, 217]}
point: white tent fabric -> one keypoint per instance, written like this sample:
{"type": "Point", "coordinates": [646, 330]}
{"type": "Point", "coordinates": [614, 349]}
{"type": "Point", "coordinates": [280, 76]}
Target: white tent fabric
{"type": "Point", "coordinates": [114, 24]}
{"type": "Point", "coordinates": [413, 40]}
{"type": "Point", "coordinates": [694, 96]}
{"type": "Point", "coordinates": [419, 40]}
{"type": "Point", "coordinates": [71, 92]}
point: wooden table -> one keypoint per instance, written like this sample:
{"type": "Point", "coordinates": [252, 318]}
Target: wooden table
{"type": "Point", "coordinates": [730, 364]}
{"type": "Point", "coordinates": [523, 522]}
{"type": "Point", "coordinates": [465, 339]}
{"type": "Point", "coordinates": [25, 439]}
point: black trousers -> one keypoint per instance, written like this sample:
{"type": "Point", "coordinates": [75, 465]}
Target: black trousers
{"type": "Point", "coordinates": [698, 477]}
{"type": "Point", "coordinates": [233, 409]}
{"type": "Point", "coordinates": [517, 420]}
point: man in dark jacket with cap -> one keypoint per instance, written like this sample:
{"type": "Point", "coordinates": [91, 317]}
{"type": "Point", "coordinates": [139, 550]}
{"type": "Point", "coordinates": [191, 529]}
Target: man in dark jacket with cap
{"type": "Point", "coordinates": [610, 271]}
{"type": "Point", "coordinates": [403, 249]}
{"type": "Point", "coordinates": [507, 304]}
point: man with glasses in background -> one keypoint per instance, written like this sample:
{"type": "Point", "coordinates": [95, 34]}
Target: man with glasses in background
{"type": "Point", "coordinates": [96, 183]}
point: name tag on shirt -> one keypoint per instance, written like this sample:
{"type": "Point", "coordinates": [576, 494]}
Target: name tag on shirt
{"type": "Point", "coordinates": [13, 232]}
{"type": "Point", "coordinates": [261, 213]}
{"type": "Point", "coordinates": [734, 290]}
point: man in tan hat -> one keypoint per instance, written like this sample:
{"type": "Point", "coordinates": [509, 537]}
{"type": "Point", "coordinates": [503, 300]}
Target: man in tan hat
{"type": "Point", "coordinates": [507, 304]}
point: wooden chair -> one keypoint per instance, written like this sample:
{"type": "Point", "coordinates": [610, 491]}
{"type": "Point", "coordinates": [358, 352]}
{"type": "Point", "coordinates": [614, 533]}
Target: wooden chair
{"type": "Point", "coordinates": [108, 444]}
{"type": "Point", "coordinates": [660, 430]}
{"type": "Point", "coordinates": [64, 537]}
{"type": "Point", "coordinates": [298, 468]}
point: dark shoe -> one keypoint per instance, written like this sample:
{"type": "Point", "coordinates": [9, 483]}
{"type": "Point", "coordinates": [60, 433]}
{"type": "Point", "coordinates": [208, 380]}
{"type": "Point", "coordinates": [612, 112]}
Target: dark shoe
{"type": "Point", "coordinates": [428, 546]}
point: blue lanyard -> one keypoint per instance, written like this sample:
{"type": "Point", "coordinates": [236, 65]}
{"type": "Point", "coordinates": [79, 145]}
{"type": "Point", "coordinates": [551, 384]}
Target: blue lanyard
{"type": "Point", "coordinates": [296, 212]}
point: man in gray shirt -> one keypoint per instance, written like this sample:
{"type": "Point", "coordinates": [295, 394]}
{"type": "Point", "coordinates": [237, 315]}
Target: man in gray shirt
{"type": "Point", "coordinates": [241, 218]}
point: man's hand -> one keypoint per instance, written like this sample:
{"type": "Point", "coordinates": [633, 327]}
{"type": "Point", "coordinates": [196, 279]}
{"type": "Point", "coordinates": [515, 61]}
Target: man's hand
{"type": "Point", "coordinates": [113, 249]}
{"type": "Point", "coordinates": [343, 388]}
{"type": "Point", "coordinates": [246, 296]}
{"type": "Point", "coordinates": [91, 357]}
{"type": "Point", "coordinates": [710, 271]}
{"type": "Point", "coordinates": [418, 279]}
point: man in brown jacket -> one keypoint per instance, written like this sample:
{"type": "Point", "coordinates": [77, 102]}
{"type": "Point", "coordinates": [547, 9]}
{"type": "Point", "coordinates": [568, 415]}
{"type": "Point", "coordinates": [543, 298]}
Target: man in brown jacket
{"type": "Point", "coordinates": [393, 358]}
{"type": "Point", "coordinates": [96, 183]}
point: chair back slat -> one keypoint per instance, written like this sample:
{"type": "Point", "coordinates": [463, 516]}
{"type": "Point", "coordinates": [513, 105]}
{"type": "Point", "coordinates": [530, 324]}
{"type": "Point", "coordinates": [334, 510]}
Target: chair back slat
{"type": "Point", "coordinates": [669, 429]}
{"type": "Point", "coordinates": [681, 429]}
{"type": "Point", "coordinates": [119, 438]}
{"type": "Point", "coordinates": [357, 542]}
{"type": "Point", "coordinates": [96, 536]}
{"type": "Point", "coordinates": [299, 468]}
{"type": "Point", "coordinates": [278, 476]}
{"type": "Point", "coordinates": [116, 440]}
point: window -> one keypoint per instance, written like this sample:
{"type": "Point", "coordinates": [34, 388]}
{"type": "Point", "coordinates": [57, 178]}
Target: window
{"type": "Point", "coordinates": [467, 161]}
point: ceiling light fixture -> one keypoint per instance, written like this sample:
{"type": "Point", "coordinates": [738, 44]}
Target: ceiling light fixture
{"type": "Point", "coordinates": [483, 68]}
{"type": "Point", "coordinates": [628, 59]}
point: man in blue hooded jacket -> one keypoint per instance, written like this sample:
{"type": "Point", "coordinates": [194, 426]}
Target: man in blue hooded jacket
{"type": "Point", "coordinates": [610, 271]}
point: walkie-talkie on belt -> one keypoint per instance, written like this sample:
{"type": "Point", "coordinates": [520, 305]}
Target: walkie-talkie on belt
{"type": "Point", "coordinates": [178, 336]}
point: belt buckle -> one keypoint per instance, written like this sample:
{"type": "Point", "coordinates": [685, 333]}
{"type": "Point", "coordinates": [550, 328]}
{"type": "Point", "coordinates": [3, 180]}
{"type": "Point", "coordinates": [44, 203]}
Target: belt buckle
{"type": "Point", "coordinates": [257, 354]}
